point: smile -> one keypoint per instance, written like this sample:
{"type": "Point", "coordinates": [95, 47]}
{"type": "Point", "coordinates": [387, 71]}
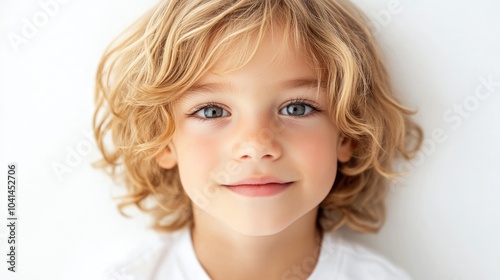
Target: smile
{"type": "Point", "coordinates": [259, 190]}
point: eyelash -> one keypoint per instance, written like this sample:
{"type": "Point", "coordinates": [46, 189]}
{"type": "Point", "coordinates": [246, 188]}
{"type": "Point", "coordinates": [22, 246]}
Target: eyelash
{"type": "Point", "coordinates": [197, 109]}
{"type": "Point", "coordinates": [301, 101]}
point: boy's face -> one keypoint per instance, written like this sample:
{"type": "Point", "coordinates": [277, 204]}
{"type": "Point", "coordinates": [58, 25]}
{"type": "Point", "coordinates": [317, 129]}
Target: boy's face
{"type": "Point", "coordinates": [252, 123]}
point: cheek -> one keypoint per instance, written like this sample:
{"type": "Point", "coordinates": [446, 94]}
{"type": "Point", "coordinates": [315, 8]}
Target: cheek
{"type": "Point", "coordinates": [196, 155]}
{"type": "Point", "coordinates": [199, 152]}
{"type": "Point", "coordinates": [315, 154]}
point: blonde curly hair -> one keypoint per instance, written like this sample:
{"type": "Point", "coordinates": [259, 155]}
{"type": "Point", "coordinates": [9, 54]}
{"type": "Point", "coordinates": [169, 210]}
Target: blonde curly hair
{"type": "Point", "coordinates": [168, 49]}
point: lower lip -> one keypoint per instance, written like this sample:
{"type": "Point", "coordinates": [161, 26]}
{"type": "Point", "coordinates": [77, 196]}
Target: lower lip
{"type": "Point", "coordinates": [259, 190]}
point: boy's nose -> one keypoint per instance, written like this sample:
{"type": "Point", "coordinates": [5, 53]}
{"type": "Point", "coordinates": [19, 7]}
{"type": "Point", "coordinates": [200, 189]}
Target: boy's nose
{"type": "Point", "coordinates": [258, 142]}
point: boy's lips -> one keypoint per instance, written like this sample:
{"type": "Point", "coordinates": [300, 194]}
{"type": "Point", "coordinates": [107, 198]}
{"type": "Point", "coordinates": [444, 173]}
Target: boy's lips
{"type": "Point", "coordinates": [259, 181]}
{"type": "Point", "coordinates": [262, 186]}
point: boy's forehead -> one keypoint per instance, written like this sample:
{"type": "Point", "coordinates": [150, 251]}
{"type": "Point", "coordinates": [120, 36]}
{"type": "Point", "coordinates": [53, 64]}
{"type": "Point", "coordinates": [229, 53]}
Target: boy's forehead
{"type": "Point", "coordinates": [211, 84]}
{"type": "Point", "coordinates": [267, 53]}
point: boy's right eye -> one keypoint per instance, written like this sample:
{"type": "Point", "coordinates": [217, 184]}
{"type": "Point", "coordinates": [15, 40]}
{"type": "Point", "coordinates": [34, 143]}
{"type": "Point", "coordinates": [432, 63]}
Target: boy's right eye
{"type": "Point", "coordinates": [211, 112]}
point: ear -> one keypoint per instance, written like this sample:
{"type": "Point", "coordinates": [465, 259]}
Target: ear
{"type": "Point", "coordinates": [167, 158]}
{"type": "Point", "coordinates": [345, 148]}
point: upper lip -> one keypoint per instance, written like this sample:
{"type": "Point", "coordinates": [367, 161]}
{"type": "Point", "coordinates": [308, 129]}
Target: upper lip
{"type": "Point", "coordinates": [259, 181]}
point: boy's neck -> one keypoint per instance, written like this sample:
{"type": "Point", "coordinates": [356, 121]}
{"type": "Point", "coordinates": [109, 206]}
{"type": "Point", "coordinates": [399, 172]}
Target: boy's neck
{"type": "Point", "coordinates": [226, 254]}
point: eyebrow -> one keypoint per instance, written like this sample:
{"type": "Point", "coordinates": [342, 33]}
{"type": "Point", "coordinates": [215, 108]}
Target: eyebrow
{"type": "Point", "coordinates": [228, 87]}
{"type": "Point", "coordinates": [211, 87]}
{"type": "Point", "coordinates": [301, 83]}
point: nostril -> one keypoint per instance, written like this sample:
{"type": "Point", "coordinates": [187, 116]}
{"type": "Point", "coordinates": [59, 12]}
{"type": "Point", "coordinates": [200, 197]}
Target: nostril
{"type": "Point", "coordinates": [247, 152]}
{"type": "Point", "coordinates": [256, 149]}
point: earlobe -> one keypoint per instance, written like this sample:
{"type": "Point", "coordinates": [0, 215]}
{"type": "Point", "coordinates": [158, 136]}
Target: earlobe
{"type": "Point", "coordinates": [167, 158]}
{"type": "Point", "coordinates": [345, 148]}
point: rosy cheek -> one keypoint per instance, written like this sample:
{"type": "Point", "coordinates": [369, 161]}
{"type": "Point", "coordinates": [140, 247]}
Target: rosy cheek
{"type": "Point", "coordinates": [198, 151]}
{"type": "Point", "coordinates": [316, 153]}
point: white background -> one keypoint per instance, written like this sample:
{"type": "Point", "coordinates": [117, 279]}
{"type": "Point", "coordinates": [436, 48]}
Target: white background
{"type": "Point", "coordinates": [444, 219]}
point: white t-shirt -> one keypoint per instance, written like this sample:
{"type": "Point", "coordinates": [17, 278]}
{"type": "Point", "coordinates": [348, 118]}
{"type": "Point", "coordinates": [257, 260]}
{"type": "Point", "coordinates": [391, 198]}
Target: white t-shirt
{"type": "Point", "coordinates": [172, 257]}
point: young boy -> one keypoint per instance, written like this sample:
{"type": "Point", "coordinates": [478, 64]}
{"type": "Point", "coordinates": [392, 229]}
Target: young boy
{"type": "Point", "coordinates": [257, 129]}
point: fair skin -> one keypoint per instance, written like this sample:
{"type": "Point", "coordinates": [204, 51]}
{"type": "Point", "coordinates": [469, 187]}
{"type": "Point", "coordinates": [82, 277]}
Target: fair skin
{"type": "Point", "coordinates": [259, 124]}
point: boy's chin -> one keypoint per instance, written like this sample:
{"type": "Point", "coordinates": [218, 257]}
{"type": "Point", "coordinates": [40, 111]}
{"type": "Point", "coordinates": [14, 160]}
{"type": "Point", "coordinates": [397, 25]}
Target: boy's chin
{"type": "Point", "coordinates": [263, 227]}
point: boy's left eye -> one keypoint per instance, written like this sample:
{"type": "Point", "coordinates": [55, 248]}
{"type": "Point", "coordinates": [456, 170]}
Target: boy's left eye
{"type": "Point", "coordinates": [297, 109]}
